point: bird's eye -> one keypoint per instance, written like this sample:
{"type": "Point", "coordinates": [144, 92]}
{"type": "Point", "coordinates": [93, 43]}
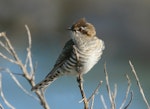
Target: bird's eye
{"type": "Point", "coordinates": [81, 28]}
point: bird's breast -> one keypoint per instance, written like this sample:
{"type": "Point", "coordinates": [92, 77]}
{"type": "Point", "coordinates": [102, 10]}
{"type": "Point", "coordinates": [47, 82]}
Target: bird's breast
{"type": "Point", "coordinates": [89, 61]}
{"type": "Point", "coordinates": [91, 55]}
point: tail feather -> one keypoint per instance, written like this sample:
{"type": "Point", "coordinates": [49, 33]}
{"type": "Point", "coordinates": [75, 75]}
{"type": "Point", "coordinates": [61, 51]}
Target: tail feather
{"type": "Point", "coordinates": [42, 85]}
{"type": "Point", "coordinates": [46, 82]}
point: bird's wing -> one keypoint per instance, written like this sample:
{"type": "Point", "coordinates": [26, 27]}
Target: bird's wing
{"type": "Point", "coordinates": [65, 54]}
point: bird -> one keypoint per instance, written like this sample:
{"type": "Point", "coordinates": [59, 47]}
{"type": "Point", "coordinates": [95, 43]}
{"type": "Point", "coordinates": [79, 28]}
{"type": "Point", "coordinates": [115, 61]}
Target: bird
{"type": "Point", "coordinates": [80, 53]}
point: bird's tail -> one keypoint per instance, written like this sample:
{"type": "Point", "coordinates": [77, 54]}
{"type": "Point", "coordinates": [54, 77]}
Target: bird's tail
{"type": "Point", "coordinates": [47, 81]}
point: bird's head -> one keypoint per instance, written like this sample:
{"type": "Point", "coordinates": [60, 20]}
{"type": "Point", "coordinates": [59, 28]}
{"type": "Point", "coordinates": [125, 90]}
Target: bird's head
{"type": "Point", "coordinates": [82, 29]}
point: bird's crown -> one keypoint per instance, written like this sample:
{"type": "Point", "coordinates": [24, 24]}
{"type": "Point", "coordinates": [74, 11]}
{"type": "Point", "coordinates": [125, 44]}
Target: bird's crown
{"type": "Point", "coordinates": [84, 27]}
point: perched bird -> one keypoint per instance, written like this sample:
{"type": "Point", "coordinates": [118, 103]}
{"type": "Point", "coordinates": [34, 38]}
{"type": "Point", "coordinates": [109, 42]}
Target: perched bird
{"type": "Point", "coordinates": [79, 54]}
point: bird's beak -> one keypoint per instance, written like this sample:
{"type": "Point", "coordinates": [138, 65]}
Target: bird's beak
{"type": "Point", "coordinates": [69, 28]}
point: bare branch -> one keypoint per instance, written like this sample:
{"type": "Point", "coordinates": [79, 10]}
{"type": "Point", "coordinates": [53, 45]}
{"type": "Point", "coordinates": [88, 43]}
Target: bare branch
{"type": "Point", "coordinates": [127, 92]}
{"type": "Point", "coordinates": [2, 95]}
{"type": "Point", "coordinates": [8, 59]}
{"type": "Point", "coordinates": [114, 94]}
{"type": "Point", "coordinates": [95, 91]}
{"type": "Point", "coordinates": [14, 54]}
{"type": "Point", "coordinates": [92, 97]}
{"type": "Point", "coordinates": [19, 85]}
{"type": "Point", "coordinates": [10, 47]}
{"type": "Point", "coordinates": [5, 47]}
{"type": "Point", "coordinates": [1, 107]}
{"type": "Point", "coordinates": [80, 83]}
{"type": "Point", "coordinates": [111, 98]}
{"type": "Point", "coordinates": [29, 57]}
{"type": "Point", "coordinates": [139, 84]}
{"type": "Point", "coordinates": [42, 99]}
{"type": "Point", "coordinates": [92, 104]}
{"type": "Point", "coordinates": [129, 101]}
{"type": "Point", "coordinates": [103, 102]}
{"type": "Point", "coordinates": [28, 75]}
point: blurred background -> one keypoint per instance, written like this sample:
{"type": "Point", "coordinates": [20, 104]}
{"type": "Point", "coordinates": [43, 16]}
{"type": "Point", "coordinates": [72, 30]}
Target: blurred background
{"type": "Point", "coordinates": [124, 25]}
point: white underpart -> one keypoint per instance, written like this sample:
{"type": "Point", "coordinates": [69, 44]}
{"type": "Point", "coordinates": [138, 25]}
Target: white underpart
{"type": "Point", "coordinates": [94, 57]}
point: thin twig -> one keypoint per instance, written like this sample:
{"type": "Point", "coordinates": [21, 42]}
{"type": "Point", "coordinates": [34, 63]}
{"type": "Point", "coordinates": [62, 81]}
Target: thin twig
{"type": "Point", "coordinates": [92, 97]}
{"type": "Point", "coordinates": [127, 92]}
{"type": "Point", "coordinates": [114, 94]}
{"type": "Point", "coordinates": [111, 98]}
{"type": "Point", "coordinates": [29, 51]}
{"type": "Point", "coordinates": [8, 59]}
{"type": "Point", "coordinates": [1, 107]}
{"type": "Point", "coordinates": [2, 95]}
{"type": "Point", "coordinates": [92, 103]}
{"type": "Point", "coordinates": [5, 47]}
{"type": "Point", "coordinates": [126, 107]}
{"type": "Point", "coordinates": [10, 47]}
{"type": "Point", "coordinates": [103, 102]}
{"type": "Point", "coordinates": [139, 85]}
{"type": "Point", "coordinates": [95, 91]}
{"type": "Point", "coordinates": [19, 85]}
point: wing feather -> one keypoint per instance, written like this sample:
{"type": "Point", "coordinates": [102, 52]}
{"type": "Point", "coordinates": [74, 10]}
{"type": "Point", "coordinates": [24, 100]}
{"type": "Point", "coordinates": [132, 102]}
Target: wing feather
{"type": "Point", "coordinates": [65, 54]}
